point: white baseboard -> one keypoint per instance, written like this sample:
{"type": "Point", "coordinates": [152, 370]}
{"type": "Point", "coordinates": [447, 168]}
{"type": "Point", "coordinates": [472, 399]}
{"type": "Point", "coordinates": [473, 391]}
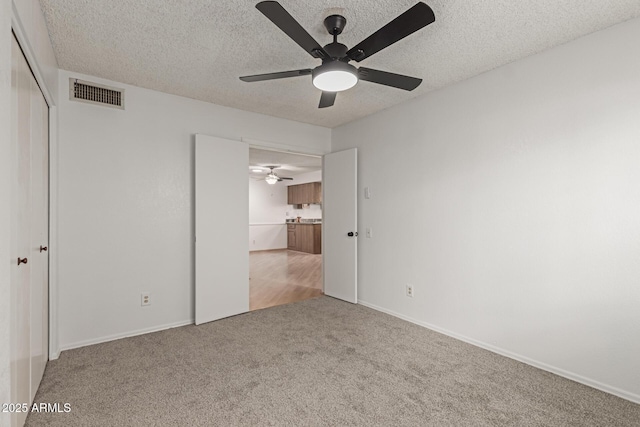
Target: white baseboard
{"type": "Point", "coordinates": [128, 334]}
{"type": "Point", "coordinates": [554, 370]}
{"type": "Point", "coordinates": [266, 250]}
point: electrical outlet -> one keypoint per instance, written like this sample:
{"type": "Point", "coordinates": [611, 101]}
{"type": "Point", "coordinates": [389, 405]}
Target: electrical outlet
{"type": "Point", "coordinates": [145, 298]}
{"type": "Point", "coordinates": [410, 291]}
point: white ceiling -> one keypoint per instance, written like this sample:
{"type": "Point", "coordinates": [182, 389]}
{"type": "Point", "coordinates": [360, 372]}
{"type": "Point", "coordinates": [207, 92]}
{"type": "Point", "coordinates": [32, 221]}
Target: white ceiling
{"type": "Point", "coordinates": [289, 164]}
{"type": "Point", "coordinates": [199, 48]}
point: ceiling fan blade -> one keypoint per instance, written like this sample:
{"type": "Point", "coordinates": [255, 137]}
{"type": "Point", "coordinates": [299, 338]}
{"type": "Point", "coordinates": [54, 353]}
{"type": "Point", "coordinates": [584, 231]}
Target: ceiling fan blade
{"type": "Point", "coordinates": [412, 20]}
{"type": "Point", "coordinates": [327, 99]}
{"type": "Point", "coordinates": [284, 177]}
{"type": "Point", "coordinates": [287, 23]}
{"type": "Point", "coordinates": [388, 79]}
{"type": "Point", "coordinates": [272, 76]}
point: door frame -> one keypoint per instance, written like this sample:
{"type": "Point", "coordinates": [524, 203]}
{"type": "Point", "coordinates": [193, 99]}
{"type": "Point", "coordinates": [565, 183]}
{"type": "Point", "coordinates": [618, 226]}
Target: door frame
{"type": "Point", "coordinates": [283, 148]}
{"type": "Point", "coordinates": [270, 146]}
{"type": "Point", "coordinates": [262, 145]}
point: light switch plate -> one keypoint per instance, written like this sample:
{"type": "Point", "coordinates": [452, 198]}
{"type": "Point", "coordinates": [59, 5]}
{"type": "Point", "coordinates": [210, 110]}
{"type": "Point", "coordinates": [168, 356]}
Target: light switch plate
{"type": "Point", "coordinates": [367, 193]}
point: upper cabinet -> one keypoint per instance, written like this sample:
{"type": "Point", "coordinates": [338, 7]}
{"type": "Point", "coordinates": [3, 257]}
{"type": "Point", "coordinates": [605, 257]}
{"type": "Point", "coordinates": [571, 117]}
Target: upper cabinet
{"type": "Point", "coordinates": [305, 194]}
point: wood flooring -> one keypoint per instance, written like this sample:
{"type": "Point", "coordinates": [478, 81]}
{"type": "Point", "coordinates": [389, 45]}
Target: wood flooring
{"type": "Point", "coordinates": [282, 276]}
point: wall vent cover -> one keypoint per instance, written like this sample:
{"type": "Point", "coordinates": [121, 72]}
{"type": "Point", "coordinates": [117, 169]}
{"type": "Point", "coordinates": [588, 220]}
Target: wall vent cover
{"type": "Point", "coordinates": [96, 94]}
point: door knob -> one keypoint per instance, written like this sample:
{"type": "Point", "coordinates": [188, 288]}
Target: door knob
{"type": "Point", "coordinates": [22, 260]}
{"type": "Point", "coordinates": [43, 248]}
{"type": "Point", "coordinates": [351, 234]}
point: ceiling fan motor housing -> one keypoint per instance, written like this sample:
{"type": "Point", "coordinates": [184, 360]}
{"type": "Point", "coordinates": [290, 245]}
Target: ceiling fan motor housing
{"type": "Point", "coordinates": [336, 51]}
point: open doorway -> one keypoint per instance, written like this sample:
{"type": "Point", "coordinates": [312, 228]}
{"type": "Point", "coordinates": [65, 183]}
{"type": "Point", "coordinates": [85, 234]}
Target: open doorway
{"type": "Point", "coordinates": [285, 223]}
{"type": "Point", "coordinates": [221, 221]}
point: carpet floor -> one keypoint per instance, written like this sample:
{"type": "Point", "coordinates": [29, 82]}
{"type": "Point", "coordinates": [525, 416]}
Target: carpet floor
{"type": "Point", "coordinates": [312, 363]}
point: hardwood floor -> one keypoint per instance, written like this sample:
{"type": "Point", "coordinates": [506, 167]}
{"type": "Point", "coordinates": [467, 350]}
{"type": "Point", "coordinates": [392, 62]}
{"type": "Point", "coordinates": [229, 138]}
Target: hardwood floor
{"type": "Point", "coordinates": [283, 276]}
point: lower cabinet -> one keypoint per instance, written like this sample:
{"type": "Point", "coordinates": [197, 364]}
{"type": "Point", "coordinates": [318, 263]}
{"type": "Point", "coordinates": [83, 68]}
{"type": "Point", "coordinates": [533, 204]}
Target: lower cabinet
{"type": "Point", "coordinates": [305, 238]}
{"type": "Point", "coordinates": [291, 236]}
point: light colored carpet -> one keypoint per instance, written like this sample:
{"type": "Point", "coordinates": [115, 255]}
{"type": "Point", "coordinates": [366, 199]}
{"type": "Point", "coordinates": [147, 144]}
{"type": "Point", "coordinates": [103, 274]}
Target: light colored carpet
{"type": "Point", "coordinates": [312, 363]}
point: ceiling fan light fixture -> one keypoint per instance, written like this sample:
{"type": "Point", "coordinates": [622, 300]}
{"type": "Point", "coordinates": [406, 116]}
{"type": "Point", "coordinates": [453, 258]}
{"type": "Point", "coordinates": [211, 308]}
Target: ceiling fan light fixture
{"type": "Point", "coordinates": [335, 76]}
{"type": "Point", "coordinates": [271, 179]}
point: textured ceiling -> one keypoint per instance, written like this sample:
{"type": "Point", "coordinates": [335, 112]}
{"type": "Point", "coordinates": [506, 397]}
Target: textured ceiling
{"type": "Point", "coordinates": [199, 48]}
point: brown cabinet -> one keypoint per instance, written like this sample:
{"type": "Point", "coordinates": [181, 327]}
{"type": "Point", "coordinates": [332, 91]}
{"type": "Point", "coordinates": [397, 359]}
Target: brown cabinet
{"type": "Point", "coordinates": [291, 236]}
{"type": "Point", "coordinates": [304, 194]}
{"type": "Point", "coordinates": [305, 238]}
{"type": "Point", "coordinates": [293, 196]}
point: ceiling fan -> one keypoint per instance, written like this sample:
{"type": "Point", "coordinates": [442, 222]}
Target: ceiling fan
{"type": "Point", "coordinates": [335, 74]}
{"type": "Point", "coordinates": [273, 177]}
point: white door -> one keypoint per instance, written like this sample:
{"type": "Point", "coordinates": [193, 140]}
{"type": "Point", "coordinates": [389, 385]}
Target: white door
{"type": "Point", "coordinates": [29, 200]}
{"type": "Point", "coordinates": [39, 251]}
{"type": "Point", "coordinates": [222, 228]}
{"type": "Point", "coordinates": [340, 225]}
{"type": "Point", "coordinates": [20, 234]}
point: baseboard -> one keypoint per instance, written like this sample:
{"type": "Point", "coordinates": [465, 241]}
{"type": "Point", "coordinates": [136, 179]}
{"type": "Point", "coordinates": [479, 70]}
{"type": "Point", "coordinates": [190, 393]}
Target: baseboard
{"type": "Point", "coordinates": [124, 335]}
{"type": "Point", "coordinates": [549, 368]}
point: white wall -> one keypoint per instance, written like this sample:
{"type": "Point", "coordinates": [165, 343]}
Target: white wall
{"type": "Point", "coordinates": [267, 210]}
{"type": "Point", "coordinates": [511, 201]}
{"type": "Point", "coordinates": [304, 178]}
{"type": "Point", "coordinates": [126, 205]}
{"type": "Point", "coordinates": [313, 211]}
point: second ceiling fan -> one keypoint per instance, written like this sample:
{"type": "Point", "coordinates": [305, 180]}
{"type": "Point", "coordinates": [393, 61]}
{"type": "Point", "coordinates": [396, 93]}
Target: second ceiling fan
{"type": "Point", "coordinates": [335, 74]}
{"type": "Point", "coordinates": [273, 177]}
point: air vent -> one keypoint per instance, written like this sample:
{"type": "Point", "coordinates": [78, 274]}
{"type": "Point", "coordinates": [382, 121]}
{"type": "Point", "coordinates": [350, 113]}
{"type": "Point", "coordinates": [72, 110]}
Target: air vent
{"type": "Point", "coordinates": [96, 94]}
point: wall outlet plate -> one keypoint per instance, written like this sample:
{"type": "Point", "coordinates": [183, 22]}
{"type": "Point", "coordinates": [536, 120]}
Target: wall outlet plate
{"type": "Point", "coordinates": [410, 290]}
{"type": "Point", "coordinates": [145, 298]}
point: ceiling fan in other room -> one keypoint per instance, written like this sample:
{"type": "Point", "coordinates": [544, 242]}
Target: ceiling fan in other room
{"type": "Point", "coordinates": [335, 74]}
{"type": "Point", "coordinates": [273, 177]}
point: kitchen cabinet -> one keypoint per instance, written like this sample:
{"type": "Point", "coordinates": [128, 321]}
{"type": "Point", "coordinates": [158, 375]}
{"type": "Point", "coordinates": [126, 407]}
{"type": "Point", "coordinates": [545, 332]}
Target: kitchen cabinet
{"type": "Point", "coordinates": [304, 238]}
{"type": "Point", "coordinates": [304, 194]}
{"type": "Point", "coordinates": [293, 195]}
{"type": "Point", "coordinates": [291, 236]}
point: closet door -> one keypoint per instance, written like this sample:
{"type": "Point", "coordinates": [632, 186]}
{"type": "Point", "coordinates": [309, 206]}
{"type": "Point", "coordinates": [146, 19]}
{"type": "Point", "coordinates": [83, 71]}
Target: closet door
{"type": "Point", "coordinates": [30, 231]}
{"type": "Point", "coordinates": [39, 278]}
{"type": "Point", "coordinates": [21, 229]}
